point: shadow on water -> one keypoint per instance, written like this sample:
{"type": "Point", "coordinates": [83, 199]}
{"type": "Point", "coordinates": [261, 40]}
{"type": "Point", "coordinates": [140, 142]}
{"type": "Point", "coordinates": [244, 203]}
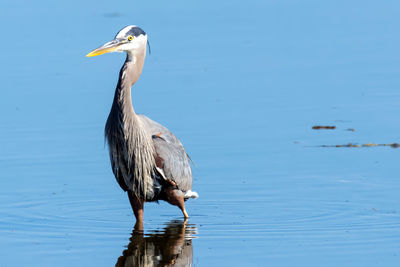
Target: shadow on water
{"type": "Point", "coordinates": [171, 246]}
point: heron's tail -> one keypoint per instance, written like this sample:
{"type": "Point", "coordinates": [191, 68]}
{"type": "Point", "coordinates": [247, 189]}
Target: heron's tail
{"type": "Point", "coordinates": [190, 194]}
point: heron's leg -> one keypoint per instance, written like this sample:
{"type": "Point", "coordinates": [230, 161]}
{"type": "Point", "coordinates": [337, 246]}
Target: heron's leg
{"type": "Point", "coordinates": [175, 197]}
{"type": "Point", "coordinates": [137, 207]}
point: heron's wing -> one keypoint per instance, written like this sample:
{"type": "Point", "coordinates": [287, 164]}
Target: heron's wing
{"type": "Point", "coordinates": [171, 155]}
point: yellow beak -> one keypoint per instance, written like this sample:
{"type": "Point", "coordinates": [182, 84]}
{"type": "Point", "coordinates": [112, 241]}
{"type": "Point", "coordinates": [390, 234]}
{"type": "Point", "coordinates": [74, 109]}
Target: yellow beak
{"type": "Point", "coordinates": [106, 48]}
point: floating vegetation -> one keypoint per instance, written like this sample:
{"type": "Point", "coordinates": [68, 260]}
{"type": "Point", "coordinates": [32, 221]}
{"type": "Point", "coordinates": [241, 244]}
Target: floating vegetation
{"type": "Point", "coordinates": [318, 127]}
{"type": "Point", "coordinates": [393, 145]}
{"type": "Point", "coordinates": [324, 127]}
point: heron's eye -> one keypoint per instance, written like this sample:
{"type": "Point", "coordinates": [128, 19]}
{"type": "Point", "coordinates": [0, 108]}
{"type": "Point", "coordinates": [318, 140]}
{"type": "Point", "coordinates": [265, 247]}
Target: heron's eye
{"type": "Point", "coordinates": [130, 37]}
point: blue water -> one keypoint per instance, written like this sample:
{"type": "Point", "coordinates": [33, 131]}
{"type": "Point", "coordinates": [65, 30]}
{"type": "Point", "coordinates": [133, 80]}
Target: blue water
{"type": "Point", "coordinates": [241, 84]}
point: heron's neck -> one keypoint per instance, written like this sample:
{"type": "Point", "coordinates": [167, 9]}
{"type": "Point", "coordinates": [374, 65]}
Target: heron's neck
{"type": "Point", "coordinates": [128, 76]}
{"type": "Point", "coordinates": [125, 133]}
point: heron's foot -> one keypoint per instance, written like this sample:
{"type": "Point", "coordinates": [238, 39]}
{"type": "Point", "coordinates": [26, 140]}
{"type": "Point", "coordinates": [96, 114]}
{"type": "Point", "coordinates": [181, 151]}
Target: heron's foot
{"type": "Point", "coordinates": [138, 225]}
{"type": "Point", "coordinates": [176, 197]}
{"type": "Point", "coordinates": [137, 207]}
{"type": "Point", "coordinates": [185, 213]}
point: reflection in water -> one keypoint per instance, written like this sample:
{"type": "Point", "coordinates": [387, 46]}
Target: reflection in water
{"type": "Point", "coordinates": [171, 246]}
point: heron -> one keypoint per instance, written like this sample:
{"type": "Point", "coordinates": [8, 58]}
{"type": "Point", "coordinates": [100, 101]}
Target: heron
{"type": "Point", "coordinates": [148, 161]}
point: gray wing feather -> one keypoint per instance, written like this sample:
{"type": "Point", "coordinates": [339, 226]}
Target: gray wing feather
{"type": "Point", "coordinates": [176, 165]}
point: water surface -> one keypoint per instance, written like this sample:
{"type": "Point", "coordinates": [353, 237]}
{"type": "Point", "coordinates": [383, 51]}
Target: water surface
{"type": "Point", "coordinates": [241, 84]}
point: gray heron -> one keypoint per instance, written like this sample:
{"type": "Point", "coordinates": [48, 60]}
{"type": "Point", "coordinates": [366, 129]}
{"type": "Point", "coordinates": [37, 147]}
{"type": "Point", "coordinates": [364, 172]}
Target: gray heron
{"type": "Point", "coordinates": [148, 161]}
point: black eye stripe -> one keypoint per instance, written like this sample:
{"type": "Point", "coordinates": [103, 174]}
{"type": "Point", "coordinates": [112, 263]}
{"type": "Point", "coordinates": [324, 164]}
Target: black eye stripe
{"type": "Point", "coordinates": [128, 31]}
{"type": "Point", "coordinates": [136, 31]}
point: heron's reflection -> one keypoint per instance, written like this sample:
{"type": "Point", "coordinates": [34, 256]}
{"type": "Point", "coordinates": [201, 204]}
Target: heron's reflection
{"type": "Point", "coordinates": [170, 246]}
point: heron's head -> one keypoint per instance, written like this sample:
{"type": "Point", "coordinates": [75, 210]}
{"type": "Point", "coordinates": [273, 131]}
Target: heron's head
{"type": "Point", "coordinates": [130, 39]}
